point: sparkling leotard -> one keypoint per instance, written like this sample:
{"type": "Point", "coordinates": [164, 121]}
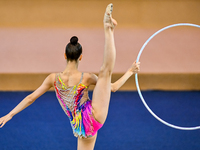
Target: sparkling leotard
{"type": "Point", "coordinates": [77, 106]}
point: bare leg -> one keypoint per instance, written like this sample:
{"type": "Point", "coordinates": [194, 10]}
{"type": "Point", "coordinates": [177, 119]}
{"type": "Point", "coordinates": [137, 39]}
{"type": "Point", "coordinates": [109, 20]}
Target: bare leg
{"type": "Point", "coordinates": [101, 94]}
{"type": "Point", "coordinates": [86, 143]}
{"type": "Point", "coordinates": [102, 91]}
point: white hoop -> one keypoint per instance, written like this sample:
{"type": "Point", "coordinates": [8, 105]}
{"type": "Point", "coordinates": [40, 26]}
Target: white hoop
{"type": "Point", "coordinates": [137, 85]}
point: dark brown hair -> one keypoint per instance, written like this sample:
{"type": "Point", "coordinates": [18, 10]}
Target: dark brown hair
{"type": "Point", "coordinates": [73, 49]}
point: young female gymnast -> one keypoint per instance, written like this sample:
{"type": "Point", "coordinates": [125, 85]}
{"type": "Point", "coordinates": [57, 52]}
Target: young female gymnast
{"type": "Point", "coordinates": [71, 86]}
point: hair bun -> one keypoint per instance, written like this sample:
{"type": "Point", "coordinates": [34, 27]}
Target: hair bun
{"type": "Point", "coordinates": [74, 40]}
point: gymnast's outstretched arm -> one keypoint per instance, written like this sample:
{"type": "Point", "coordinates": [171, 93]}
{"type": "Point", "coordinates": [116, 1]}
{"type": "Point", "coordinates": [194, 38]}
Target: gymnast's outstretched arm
{"type": "Point", "coordinates": [46, 85]}
{"type": "Point", "coordinates": [135, 67]}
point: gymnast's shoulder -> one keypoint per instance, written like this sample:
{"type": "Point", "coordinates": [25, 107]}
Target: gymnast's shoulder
{"type": "Point", "coordinates": [90, 78]}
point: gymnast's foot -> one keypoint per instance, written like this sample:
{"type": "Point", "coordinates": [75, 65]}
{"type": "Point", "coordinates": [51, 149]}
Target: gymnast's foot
{"type": "Point", "coordinates": [109, 22]}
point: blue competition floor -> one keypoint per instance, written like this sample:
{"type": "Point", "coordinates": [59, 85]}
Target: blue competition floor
{"type": "Point", "coordinates": [129, 126]}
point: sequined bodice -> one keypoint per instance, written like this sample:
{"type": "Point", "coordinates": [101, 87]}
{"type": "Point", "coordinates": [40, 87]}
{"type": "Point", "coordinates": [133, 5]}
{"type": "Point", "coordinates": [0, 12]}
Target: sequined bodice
{"type": "Point", "coordinates": [71, 97]}
{"type": "Point", "coordinates": [77, 106]}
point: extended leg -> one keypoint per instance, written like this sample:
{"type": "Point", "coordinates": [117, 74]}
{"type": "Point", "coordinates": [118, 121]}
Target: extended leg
{"type": "Point", "coordinates": [102, 91]}
{"type": "Point", "coordinates": [101, 94]}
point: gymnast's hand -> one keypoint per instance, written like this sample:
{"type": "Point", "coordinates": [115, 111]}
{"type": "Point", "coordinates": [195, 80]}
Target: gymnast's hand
{"type": "Point", "coordinates": [135, 67]}
{"type": "Point", "coordinates": [4, 119]}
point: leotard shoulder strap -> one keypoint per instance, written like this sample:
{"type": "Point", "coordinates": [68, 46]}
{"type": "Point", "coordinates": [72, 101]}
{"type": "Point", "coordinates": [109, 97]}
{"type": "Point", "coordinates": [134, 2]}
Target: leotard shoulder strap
{"type": "Point", "coordinates": [81, 78]}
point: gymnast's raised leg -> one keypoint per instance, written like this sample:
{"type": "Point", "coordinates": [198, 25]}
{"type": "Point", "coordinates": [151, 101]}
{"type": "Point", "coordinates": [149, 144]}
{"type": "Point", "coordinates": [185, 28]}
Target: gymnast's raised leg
{"type": "Point", "coordinates": [102, 91]}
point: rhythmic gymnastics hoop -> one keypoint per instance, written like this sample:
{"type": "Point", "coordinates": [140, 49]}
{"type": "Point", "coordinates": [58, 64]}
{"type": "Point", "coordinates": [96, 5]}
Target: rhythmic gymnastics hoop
{"type": "Point", "coordinates": [137, 84]}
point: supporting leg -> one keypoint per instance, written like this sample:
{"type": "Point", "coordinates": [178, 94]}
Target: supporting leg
{"type": "Point", "coordinates": [87, 143]}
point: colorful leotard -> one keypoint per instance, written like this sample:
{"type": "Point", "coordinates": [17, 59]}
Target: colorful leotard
{"type": "Point", "coordinates": [77, 105]}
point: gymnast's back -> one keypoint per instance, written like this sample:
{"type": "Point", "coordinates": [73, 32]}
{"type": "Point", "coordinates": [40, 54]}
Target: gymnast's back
{"type": "Point", "coordinates": [72, 93]}
{"type": "Point", "coordinates": [72, 84]}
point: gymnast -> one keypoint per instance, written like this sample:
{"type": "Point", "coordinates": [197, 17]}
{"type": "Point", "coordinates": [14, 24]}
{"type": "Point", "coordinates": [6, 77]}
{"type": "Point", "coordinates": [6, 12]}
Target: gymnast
{"type": "Point", "coordinates": [71, 86]}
